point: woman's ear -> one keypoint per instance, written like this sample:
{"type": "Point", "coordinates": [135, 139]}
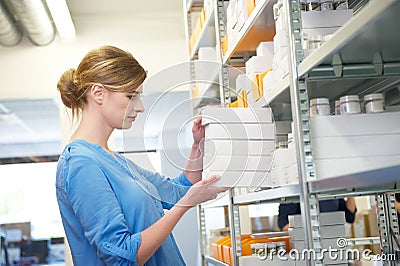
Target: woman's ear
{"type": "Point", "coordinates": [97, 93]}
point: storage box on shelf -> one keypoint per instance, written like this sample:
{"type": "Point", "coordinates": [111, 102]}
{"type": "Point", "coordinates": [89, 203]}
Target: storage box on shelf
{"type": "Point", "coordinates": [227, 127]}
{"type": "Point", "coordinates": [332, 228]}
{"type": "Point", "coordinates": [348, 144]}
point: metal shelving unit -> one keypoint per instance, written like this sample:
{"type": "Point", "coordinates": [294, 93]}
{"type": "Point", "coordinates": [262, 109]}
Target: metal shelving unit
{"type": "Point", "coordinates": [362, 57]}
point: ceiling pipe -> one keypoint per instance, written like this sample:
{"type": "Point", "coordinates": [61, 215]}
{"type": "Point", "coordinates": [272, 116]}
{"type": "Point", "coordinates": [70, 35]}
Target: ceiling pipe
{"type": "Point", "coordinates": [35, 20]}
{"type": "Point", "coordinates": [10, 33]}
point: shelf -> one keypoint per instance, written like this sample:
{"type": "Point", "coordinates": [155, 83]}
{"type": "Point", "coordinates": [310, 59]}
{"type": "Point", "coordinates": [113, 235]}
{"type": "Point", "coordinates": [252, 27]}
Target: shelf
{"type": "Point", "coordinates": [369, 182]}
{"type": "Point", "coordinates": [206, 36]}
{"type": "Point", "coordinates": [219, 202]}
{"type": "Point", "coordinates": [333, 89]}
{"type": "Point", "coordinates": [373, 30]}
{"type": "Point", "coordinates": [285, 193]}
{"type": "Point", "coordinates": [363, 240]}
{"type": "Point", "coordinates": [194, 5]}
{"type": "Point", "coordinates": [214, 261]}
{"type": "Point", "coordinates": [257, 28]}
{"type": "Point", "coordinates": [279, 94]}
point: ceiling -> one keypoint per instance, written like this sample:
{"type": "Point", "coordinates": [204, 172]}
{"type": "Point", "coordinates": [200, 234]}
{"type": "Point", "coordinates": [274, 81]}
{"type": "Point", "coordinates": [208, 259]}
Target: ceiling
{"type": "Point", "coordinates": [101, 7]}
{"type": "Point", "coordinates": [30, 128]}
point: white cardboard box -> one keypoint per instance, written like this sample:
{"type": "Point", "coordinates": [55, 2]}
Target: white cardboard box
{"type": "Point", "coordinates": [284, 157]}
{"type": "Point", "coordinates": [238, 147]}
{"type": "Point", "coordinates": [356, 146]}
{"type": "Point", "coordinates": [258, 64]}
{"type": "Point", "coordinates": [327, 231]}
{"type": "Point", "coordinates": [208, 53]}
{"type": "Point", "coordinates": [269, 82]}
{"type": "Point", "coordinates": [212, 115]}
{"type": "Point", "coordinates": [265, 49]}
{"type": "Point", "coordinates": [243, 82]}
{"type": "Point", "coordinates": [236, 163]}
{"type": "Point", "coordinates": [325, 19]}
{"type": "Point", "coordinates": [355, 125]}
{"type": "Point", "coordinates": [327, 168]}
{"type": "Point", "coordinates": [326, 218]}
{"type": "Point", "coordinates": [237, 178]}
{"type": "Point", "coordinates": [240, 131]}
{"type": "Point", "coordinates": [280, 41]}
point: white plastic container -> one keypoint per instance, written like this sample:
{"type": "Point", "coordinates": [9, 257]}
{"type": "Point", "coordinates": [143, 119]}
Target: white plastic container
{"type": "Point", "coordinates": [373, 103]}
{"type": "Point", "coordinates": [350, 104]}
{"type": "Point", "coordinates": [319, 106]}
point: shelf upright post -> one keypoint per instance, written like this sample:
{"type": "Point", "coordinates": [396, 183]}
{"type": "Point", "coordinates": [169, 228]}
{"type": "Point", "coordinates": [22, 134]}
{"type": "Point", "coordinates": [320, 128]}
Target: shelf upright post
{"type": "Point", "coordinates": [220, 21]}
{"type": "Point", "coordinates": [225, 96]}
{"type": "Point", "coordinates": [235, 231]}
{"type": "Point", "coordinates": [203, 233]}
{"type": "Point", "coordinates": [301, 119]}
{"type": "Point", "coordinates": [200, 210]}
{"type": "Point", "coordinates": [189, 30]}
{"type": "Point", "coordinates": [388, 227]}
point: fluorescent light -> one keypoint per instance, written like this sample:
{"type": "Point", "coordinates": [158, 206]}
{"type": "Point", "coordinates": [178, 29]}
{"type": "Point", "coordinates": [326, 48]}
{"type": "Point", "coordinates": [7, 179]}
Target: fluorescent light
{"type": "Point", "coordinates": [62, 18]}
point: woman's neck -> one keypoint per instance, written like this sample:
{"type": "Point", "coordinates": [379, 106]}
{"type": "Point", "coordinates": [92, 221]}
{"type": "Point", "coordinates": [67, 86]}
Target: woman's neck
{"type": "Point", "coordinates": [93, 130]}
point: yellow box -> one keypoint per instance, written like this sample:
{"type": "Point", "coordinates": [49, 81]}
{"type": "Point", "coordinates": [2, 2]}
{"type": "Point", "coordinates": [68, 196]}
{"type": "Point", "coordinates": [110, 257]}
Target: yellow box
{"type": "Point", "coordinates": [202, 17]}
{"type": "Point", "coordinates": [195, 92]}
{"type": "Point", "coordinates": [250, 5]}
{"type": "Point", "coordinates": [225, 44]}
{"type": "Point", "coordinates": [242, 99]}
{"type": "Point", "coordinates": [215, 247]}
{"type": "Point", "coordinates": [261, 81]}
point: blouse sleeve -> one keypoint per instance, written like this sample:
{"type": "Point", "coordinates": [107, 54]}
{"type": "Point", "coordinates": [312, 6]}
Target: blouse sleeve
{"type": "Point", "coordinates": [171, 190]}
{"type": "Point", "coordinates": [350, 217]}
{"type": "Point", "coordinates": [99, 213]}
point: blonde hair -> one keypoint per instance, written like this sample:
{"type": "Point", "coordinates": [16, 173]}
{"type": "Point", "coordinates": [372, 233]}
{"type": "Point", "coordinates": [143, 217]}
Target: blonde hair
{"type": "Point", "coordinates": [110, 66]}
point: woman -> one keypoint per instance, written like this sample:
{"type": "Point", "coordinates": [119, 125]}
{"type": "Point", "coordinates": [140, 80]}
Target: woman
{"type": "Point", "coordinates": [112, 210]}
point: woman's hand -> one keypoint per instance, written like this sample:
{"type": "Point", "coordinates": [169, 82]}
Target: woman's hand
{"type": "Point", "coordinates": [198, 130]}
{"type": "Point", "coordinates": [201, 192]}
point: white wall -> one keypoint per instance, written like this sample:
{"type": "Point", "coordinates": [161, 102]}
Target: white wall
{"type": "Point", "coordinates": [157, 40]}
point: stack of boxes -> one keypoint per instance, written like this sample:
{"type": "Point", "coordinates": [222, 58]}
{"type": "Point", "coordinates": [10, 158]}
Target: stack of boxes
{"type": "Point", "coordinates": [332, 228]}
{"type": "Point", "coordinates": [348, 144]}
{"type": "Point", "coordinates": [284, 168]}
{"type": "Point", "coordinates": [239, 143]}
{"type": "Point", "coordinates": [257, 67]}
{"type": "Point", "coordinates": [197, 30]}
{"type": "Point", "coordinates": [280, 65]}
{"type": "Point", "coordinates": [238, 12]}
{"type": "Point", "coordinates": [318, 26]}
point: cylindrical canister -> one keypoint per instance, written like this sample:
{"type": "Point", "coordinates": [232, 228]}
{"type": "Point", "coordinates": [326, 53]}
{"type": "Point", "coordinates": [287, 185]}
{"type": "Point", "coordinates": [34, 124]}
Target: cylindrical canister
{"type": "Point", "coordinates": [350, 104]}
{"type": "Point", "coordinates": [373, 103]}
{"type": "Point", "coordinates": [340, 4]}
{"type": "Point", "coordinates": [319, 106]}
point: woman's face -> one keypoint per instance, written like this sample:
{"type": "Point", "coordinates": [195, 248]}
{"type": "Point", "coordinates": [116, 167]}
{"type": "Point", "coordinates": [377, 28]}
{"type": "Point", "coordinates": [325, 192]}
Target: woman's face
{"type": "Point", "coordinates": [122, 108]}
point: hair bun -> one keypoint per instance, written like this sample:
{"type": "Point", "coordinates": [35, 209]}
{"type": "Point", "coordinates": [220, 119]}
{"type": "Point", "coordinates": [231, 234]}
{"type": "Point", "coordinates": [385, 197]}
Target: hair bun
{"type": "Point", "coordinates": [67, 88]}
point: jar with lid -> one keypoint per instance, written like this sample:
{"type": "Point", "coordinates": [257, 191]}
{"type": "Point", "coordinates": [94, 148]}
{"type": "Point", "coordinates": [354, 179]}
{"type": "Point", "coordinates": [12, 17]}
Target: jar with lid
{"type": "Point", "coordinates": [319, 106]}
{"type": "Point", "coordinates": [340, 4]}
{"type": "Point", "coordinates": [373, 103]}
{"type": "Point", "coordinates": [350, 104]}
{"type": "Point", "coordinates": [326, 5]}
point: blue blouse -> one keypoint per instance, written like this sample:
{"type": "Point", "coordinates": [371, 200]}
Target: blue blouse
{"type": "Point", "coordinates": [105, 204]}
